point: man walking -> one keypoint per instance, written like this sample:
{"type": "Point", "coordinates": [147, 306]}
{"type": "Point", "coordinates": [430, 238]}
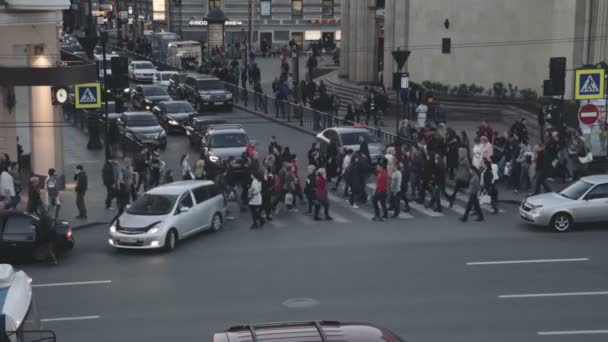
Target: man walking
{"type": "Point", "coordinates": [7, 188]}
{"type": "Point", "coordinates": [108, 176]}
{"type": "Point", "coordinates": [379, 197]}
{"type": "Point", "coordinates": [52, 194]}
{"type": "Point", "coordinates": [473, 203]}
{"type": "Point", "coordinates": [82, 184]}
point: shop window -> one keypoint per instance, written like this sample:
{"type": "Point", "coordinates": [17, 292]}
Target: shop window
{"type": "Point", "coordinates": [215, 4]}
{"type": "Point", "coordinates": [328, 8]}
{"type": "Point", "coordinates": [296, 8]}
{"type": "Point", "coordinates": [266, 9]}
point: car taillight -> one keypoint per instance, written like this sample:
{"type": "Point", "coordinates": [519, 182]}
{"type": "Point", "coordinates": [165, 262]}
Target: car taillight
{"type": "Point", "coordinates": [69, 234]}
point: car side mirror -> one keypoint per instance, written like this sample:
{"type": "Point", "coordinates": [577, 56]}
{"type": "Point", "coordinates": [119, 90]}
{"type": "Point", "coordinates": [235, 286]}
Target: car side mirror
{"type": "Point", "coordinates": [182, 210]}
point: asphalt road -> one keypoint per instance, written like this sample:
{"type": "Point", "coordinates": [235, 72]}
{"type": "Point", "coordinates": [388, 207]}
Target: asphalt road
{"type": "Point", "coordinates": [410, 275]}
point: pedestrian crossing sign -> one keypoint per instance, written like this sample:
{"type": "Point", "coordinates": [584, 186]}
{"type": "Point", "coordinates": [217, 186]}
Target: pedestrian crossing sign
{"type": "Point", "coordinates": [88, 95]}
{"type": "Point", "coordinates": [590, 84]}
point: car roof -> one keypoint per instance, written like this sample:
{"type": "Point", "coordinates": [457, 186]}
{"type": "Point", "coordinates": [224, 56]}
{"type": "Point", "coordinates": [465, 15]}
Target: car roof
{"type": "Point", "coordinates": [226, 128]}
{"type": "Point", "coordinates": [174, 101]}
{"type": "Point", "coordinates": [167, 72]}
{"type": "Point", "coordinates": [208, 119]}
{"type": "Point", "coordinates": [596, 179]}
{"type": "Point", "coordinates": [140, 62]}
{"type": "Point", "coordinates": [177, 188]}
{"type": "Point", "coordinates": [201, 77]}
{"type": "Point", "coordinates": [341, 130]}
{"type": "Point", "coordinates": [138, 113]}
{"type": "Point", "coordinates": [309, 331]}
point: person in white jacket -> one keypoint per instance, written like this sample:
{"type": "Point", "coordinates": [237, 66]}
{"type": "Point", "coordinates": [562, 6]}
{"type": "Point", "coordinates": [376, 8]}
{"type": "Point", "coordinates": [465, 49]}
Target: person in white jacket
{"type": "Point", "coordinates": [255, 201]}
{"type": "Point", "coordinates": [7, 189]}
{"type": "Point", "coordinates": [395, 189]}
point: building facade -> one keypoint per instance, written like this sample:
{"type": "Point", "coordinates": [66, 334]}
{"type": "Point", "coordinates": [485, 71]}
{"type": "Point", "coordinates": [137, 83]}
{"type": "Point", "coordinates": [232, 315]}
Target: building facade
{"type": "Point", "coordinates": [30, 39]}
{"type": "Point", "coordinates": [473, 42]}
{"type": "Point", "coordinates": [276, 21]}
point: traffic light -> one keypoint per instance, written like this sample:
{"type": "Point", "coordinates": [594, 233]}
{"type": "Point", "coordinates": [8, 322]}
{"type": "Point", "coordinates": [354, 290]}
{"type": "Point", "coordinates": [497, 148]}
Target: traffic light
{"type": "Point", "coordinates": [557, 74]}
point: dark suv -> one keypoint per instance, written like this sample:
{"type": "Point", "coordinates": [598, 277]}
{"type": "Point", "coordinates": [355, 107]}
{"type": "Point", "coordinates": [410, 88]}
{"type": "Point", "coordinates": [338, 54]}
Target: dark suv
{"type": "Point", "coordinates": [176, 85]}
{"type": "Point", "coordinates": [206, 92]}
{"type": "Point", "coordinates": [312, 331]}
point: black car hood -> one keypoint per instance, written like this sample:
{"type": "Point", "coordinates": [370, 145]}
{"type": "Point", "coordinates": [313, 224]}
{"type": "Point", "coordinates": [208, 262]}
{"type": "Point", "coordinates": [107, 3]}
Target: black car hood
{"type": "Point", "coordinates": [179, 116]}
{"type": "Point", "coordinates": [159, 98]}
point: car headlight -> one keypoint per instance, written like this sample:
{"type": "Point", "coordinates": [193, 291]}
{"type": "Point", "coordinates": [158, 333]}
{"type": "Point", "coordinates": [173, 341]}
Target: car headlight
{"type": "Point", "coordinates": [173, 123]}
{"type": "Point", "coordinates": [147, 107]}
{"type": "Point", "coordinates": [228, 96]}
{"type": "Point", "coordinates": [127, 90]}
{"type": "Point", "coordinates": [214, 159]}
{"type": "Point", "coordinates": [113, 227]}
{"type": "Point", "coordinates": [155, 228]}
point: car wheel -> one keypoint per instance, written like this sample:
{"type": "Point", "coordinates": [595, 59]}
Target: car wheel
{"type": "Point", "coordinates": [171, 240]}
{"type": "Point", "coordinates": [561, 222]}
{"type": "Point", "coordinates": [216, 222]}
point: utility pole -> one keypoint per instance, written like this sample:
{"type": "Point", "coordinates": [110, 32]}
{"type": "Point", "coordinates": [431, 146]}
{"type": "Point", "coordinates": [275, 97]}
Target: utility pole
{"type": "Point", "coordinates": [251, 16]}
{"type": "Point", "coordinates": [118, 24]}
{"type": "Point", "coordinates": [104, 41]}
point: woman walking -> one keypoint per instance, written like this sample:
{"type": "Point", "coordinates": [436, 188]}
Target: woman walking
{"type": "Point", "coordinates": [462, 173]}
{"type": "Point", "coordinates": [321, 195]}
{"type": "Point", "coordinates": [255, 201]}
{"type": "Point", "coordinates": [186, 167]}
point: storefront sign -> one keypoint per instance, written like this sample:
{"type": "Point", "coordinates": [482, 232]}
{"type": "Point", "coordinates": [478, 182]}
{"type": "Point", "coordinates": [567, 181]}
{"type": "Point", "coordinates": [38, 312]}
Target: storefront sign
{"type": "Point", "coordinates": [324, 21]}
{"type": "Point", "coordinates": [265, 9]}
{"type": "Point", "coordinates": [198, 22]}
{"type": "Point", "coordinates": [312, 35]}
{"type": "Point", "coordinates": [158, 10]}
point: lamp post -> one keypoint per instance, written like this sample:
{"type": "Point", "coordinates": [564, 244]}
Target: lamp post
{"type": "Point", "coordinates": [104, 41]}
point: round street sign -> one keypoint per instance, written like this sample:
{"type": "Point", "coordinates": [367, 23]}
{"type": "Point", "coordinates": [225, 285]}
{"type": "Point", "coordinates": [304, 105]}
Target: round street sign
{"type": "Point", "coordinates": [588, 114]}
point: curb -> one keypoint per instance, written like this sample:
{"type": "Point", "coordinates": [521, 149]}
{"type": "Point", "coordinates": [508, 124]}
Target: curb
{"type": "Point", "coordinates": [88, 225]}
{"type": "Point", "coordinates": [275, 120]}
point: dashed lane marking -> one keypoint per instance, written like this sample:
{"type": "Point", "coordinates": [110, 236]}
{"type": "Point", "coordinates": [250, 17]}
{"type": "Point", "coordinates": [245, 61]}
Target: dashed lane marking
{"type": "Point", "coordinates": [93, 282]}
{"type": "Point", "coordinates": [536, 261]}
{"type": "Point", "coordinates": [562, 294]}
{"type": "Point", "coordinates": [62, 319]}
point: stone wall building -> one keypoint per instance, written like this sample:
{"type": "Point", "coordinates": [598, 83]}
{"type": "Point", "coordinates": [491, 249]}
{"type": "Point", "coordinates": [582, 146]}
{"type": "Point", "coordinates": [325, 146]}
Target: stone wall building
{"type": "Point", "coordinates": [509, 41]}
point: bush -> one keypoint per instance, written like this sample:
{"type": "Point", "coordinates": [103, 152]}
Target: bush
{"type": "Point", "coordinates": [499, 90]}
{"type": "Point", "coordinates": [513, 90]}
{"type": "Point", "coordinates": [528, 95]}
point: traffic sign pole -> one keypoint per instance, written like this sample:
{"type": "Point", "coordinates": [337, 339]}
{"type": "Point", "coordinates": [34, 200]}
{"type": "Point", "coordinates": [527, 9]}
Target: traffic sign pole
{"type": "Point", "coordinates": [106, 140]}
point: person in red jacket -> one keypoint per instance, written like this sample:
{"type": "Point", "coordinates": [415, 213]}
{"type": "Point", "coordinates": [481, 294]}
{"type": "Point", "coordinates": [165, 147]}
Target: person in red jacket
{"type": "Point", "coordinates": [379, 198]}
{"type": "Point", "coordinates": [321, 195]}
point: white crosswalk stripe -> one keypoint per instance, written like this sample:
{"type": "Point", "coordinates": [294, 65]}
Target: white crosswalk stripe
{"type": "Point", "coordinates": [424, 210]}
{"type": "Point", "coordinates": [456, 208]}
{"type": "Point", "coordinates": [462, 197]}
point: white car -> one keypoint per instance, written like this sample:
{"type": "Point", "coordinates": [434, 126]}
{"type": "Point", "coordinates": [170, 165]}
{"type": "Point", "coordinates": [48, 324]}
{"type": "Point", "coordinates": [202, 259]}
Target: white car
{"type": "Point", "coordinates": [161, 78]}
{"type": "Point", "coordinates": [169, 213]}
{"type": "Point", "coordinates": [142, 71]}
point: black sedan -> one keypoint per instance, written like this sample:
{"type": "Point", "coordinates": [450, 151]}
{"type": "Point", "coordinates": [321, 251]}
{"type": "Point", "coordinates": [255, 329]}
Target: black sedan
{"type": "Point", "coordinates": [20, 236]}
{"type": "Point", "coordinates": [147, 96]}
{"type": "Point", "coordinates": [173, 114]}
{"type": "Point", "coordinates": [196, 128]}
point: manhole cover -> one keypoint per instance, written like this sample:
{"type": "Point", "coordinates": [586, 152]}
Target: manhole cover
{"type": "Point", "coordinates": [297, 303]}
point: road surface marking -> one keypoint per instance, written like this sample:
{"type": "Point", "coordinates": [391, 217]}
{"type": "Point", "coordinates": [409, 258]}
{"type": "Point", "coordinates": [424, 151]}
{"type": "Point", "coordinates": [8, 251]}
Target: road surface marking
{"type": "Point", "coordinates": [60, 319]}
{"type": "Point", "coordinates": [418, 207]}
{"type": "Point", "coordinates": [506, 262]}
{"type": "Point", "coordinates": [572, 332]}
{"type": "Point", "coordinates": [562, 294]}
{"type": "Point", "coordinates": [94, 282]}
{"type": "Point", "coordinates": [465, 198]}
{"type": "Point", "coordinates": [456, 208]}
{"type": "Point", "coordinates": [338, 218]}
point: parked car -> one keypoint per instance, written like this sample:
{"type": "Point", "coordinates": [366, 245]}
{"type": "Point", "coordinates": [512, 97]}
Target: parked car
{"type": "Point", "coordinates": [141, 71]}
{"type": "Point", "coordinates": [169, 213]}
{"type": "Point", "coordinates": [348, 138]}
{"type": "Point", "coordinates": [584, 201]}
{"type": "Point", "coordinates": [197, 127]}
{"type": "Point", "coordinates": [114, 111]}
{"type": "Point", "coordinates": [161, 78]}
{"type": "Point", "coordinates": [173, 114]}
{"type": "Point", "coordinates": [147, 96]}
{"type": "Point", "coordinates": [308, 331]}
{"type": "Point", "coordinates": [176, 85]}
{"type": "Point", "coordinates": [20, 236]}
{"type": "Point", "coordinates": [142, 126]}
{"type": "Point", "coordinates": [206, 92]}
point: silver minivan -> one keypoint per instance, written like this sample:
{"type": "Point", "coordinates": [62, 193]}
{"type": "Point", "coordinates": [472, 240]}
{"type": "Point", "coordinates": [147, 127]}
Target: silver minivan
{"type": "Point", "coordinates": [169, 213]}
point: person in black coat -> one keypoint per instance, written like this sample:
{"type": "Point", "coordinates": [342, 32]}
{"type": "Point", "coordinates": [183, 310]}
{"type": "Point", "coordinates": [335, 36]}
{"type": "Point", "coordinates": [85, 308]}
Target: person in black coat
{"type": "Point", "coordinates": [364, 149]}
{"type": "Point", "coordinates": [453, 143]}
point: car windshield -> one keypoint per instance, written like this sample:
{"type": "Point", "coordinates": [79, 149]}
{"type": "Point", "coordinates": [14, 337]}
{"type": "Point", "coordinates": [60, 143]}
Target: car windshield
{"type": "Point", "coordinates": [228, 140]}
{"type": "Point", "coordinates": [576, 190]}
{"type": "Point", "coordinates": [144, 66]}
{"type": "Point", "coordinates": [143, 120]}
{"type": "Point", "coordinates": [182, 77]}
{"type": "Point", "coordinates": [210, 85]}
{"type": "Point", "coordinates": [151, 205]}
{"type": "Point", "coordinates": [203, 125]}
{"type": "Point", "coordinates": [352, 138]}
{"type": "Point", "coordinates": [154, 91]}
{"type": "Point", "coordinates": [179, 107]}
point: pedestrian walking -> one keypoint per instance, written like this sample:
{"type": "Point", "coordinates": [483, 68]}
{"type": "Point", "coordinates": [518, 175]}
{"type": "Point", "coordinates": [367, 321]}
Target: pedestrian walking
{"type": "Point", "coordinates": [82, 184]}
{"type": "Point", "coordinates": [379, 198]}
{"type": "Point", "coordinates": [310, 188]}
{"type": "Point", "coordinates": [267, 193]}
{"type": "Point", "coordinates": [7, 188]}
{"type": "Point", "coordinates": [473, 202]}
{"type": "Point", "coordinates": [344, 168]}
{"type": "Point", "coordinates": [395, 189]}
{"type": "Point", "coordinates": [46, 233]}
{"type": "Point", "coordinates": [53, 203]}
{"type": "Point", "coordinates": [542, 168]}
{"type": "Point", "coordinates": [199, 170]}
{"type": "Point", "coordinates": [463, 171]}
{"type": "Point", "coordinates": [489, 177]}
{"type": "Point", "coordinates": [255, 201]}
{"type": "Point", "coordinates": [321, 195]}
{"type": "Point", "coordinates": [34, 199]}
{"type": "Point", "coordinates": [186, 167]}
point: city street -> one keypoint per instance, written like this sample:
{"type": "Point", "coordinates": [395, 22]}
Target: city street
{"type": "Point", "coordinates": [426, 276]}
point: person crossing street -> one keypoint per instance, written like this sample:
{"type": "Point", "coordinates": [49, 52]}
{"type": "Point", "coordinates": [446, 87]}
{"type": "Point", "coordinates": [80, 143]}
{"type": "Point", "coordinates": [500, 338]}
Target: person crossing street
{"type": "Point", "coordinates": [473, 203]}
{"type": "Point", "coordinates": [379, 198]}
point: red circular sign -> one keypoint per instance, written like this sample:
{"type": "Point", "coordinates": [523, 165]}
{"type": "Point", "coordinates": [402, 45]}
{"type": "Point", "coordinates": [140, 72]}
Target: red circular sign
{"type": "Point", "coordinates": [588, 114]}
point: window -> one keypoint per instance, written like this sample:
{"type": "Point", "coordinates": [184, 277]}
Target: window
{"type": "Point", "coordinates": [327, 8]}
{"type": "Point", "coordinates": [265, 8]}
{"type": "Point", "coordinates": [215, 4]}
{"type": "Point", "coordinates": [17, 226]}
{"type": "Point", "coordinates": [576, 190]}
{"type": "Point", "coordinates": [296, 8]}
{"type": "Point", "coordinates": [186, 201]}
{"type": "Point", "coordinates": [152, 205]}
{"type": "Point", "coordinates": [599, 192]}
{"type": "Point", "coordinates": [201, 194]}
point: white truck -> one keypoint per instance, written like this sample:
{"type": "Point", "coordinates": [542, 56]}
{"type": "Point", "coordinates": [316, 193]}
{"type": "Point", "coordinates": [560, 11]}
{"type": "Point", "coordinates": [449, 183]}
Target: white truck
{"type": "Point", "coordinates": [182, 53]}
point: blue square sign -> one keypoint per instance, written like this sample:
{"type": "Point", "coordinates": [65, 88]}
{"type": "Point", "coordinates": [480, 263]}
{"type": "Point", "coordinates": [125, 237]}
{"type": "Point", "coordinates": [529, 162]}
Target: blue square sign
{"type": "Point", "coordinates": [589, 84]}
{"type": "Point", "coordinates": [88, 95]}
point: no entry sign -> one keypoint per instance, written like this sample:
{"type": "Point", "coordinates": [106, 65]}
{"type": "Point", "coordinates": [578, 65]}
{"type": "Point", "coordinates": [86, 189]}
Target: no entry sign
{"type": "Point", "coordinates": [588, 114]}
